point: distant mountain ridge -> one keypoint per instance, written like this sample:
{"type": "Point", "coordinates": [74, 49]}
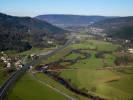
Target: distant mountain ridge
{"type": "Point", "coordinates": [70, 20]}
{"type": "Point", "coordinates": [115, 22]}
{"type": "Point", "coordinates": [19, 32]}
{"type": "Point", "coordinates": [121, 27]}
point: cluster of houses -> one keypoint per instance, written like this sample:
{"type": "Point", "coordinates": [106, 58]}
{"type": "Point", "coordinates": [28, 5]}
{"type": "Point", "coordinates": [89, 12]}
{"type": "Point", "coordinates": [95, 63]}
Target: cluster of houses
{"type": "Point", "coordinates": [6, 60]}
{"type": "Point", "coordinates": [11, 62]}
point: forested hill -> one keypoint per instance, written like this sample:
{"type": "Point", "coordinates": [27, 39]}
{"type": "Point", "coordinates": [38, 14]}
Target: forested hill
{"type": "Point", "coordinates": [121, 27]}
{"type": "Point", "coordinates": [70, 20]}
{"type": "Point", "coordinates": [19, 33]}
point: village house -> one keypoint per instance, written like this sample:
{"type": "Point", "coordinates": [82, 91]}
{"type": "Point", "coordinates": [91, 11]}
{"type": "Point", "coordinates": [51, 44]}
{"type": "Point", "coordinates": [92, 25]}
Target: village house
{"type": "Point", "coordinates": [130, 50]}
{"type": "Point", "coordinates": [31, 67]}
{"type": "Point", "coordinates": [49, 42]}
{"type": "Point", "coordinates": [8, 65]}
{"type": "Point", "coordinates": [3, 58]}
{"type": "Point", "coordinates": [18, 64]}
{"type": "Point", "coordinates": [127, 41]}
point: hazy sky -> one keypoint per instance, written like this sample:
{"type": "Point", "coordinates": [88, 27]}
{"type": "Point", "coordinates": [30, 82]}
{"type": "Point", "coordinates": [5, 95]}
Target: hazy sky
{"type": "Point", "coordinates": [83, 7]}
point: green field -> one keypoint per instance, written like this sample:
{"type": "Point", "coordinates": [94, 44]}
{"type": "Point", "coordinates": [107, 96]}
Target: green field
{"type": "Point", "coordinates": [95, 45]}
{"type": "Point", "coordinates": [27, 88]}
{"type": "Point", "coordinates": [57, 85]}
{"type": "Point", "coordinates": [92, 75]}
{"type": "Point", "coordinates": [73, 56]}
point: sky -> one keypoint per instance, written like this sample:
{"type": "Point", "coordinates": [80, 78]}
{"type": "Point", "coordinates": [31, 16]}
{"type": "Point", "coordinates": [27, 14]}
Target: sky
{"type": "Point", "coordinates": [76, 7]}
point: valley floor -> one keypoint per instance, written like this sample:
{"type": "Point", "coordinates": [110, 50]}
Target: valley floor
{"type": "Point", "coordinates": [87, 65]}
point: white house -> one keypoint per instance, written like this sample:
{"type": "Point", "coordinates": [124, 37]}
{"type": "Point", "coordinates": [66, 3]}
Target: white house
{"type": "Point", "coordinates": [127, 41]}
{"type": "Point", "coordinates": [20, 66]}
{"type": "Point", "coordinates": [8, 65]}
{"type": "Point", "coordinates": [3, 58]}
{"type": "Point", "coordinates": [49, 42]}
{"type": "Point", "coordinates": [31, 67]}
{"type": "Point", "coordinates": [130, 50]}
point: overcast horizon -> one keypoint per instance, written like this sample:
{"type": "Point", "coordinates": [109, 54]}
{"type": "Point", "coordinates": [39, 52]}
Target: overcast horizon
{"type": "Point", "coordinates": [74, 7]}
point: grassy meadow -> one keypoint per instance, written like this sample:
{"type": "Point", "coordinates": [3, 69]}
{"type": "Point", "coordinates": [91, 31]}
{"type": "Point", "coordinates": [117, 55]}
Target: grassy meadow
{"type": "Point", "coordinates": [91, 73]}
